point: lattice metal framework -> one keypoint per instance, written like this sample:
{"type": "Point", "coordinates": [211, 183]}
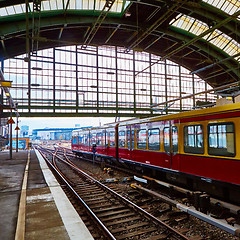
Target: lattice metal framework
{"type": "Point", "coordinates": [99, 81]}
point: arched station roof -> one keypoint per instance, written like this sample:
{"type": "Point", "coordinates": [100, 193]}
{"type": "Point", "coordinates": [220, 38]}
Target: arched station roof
{"type": "Point", "coordinates": [201, 35]}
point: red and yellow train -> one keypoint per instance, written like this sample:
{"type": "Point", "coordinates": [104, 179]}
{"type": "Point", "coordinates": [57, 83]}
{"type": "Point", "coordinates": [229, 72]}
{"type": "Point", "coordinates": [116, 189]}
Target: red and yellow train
{"type": "Point", "coordinates": [199, 148]}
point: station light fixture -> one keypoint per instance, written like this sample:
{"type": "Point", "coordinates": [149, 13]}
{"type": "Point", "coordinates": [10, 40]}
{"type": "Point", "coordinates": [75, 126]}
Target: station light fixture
{"type": "Point", "coordinates": [6, 84]}
{"type": "Point", "coordinates": [37, 68]}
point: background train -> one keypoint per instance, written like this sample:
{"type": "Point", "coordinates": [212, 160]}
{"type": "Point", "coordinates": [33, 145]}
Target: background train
{"type": "Point", "coordinates": [199, 148]}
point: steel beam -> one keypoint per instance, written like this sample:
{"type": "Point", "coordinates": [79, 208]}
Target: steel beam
{"type": "Point", "coordinates": [36, 16]}
{"type": "Point", "coordinates": [54, 79]}
{"type": "Point", "coordinates": [76, 69]}
{"type": "Point", "coordinates": [199, 93]}
{"type": "Point", "coordinates": [193, 91]}
{"type": "Point", "coordinates": [97, 65]}
{"type": "Point", "coordinates": [166, 85]}
{"type": "Point", "coordinates": [92, 32]}
{"type": "Point", "coordinates": [156, 24]}
{"type": "Point", "coordinates": [150, 79]}
{"type": "Point", "coordinates": [134, 83]}
{"type": "Point", "coordinates": [116, 73]}
{"type": "Point", "coordinates": [180, 86]}
{"type": "Point", "coordinates": [195, 39]}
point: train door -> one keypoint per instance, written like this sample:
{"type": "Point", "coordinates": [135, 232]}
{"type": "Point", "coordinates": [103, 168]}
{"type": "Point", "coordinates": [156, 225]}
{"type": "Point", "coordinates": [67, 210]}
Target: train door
{"type": "Point", "coordinates": [170, 146]}
{"type": "Point", "coordinates": [130, 143]}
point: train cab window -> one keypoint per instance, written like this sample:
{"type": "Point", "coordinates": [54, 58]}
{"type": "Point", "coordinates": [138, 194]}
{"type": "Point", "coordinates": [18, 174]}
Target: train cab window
{"type": "Point", "coordinates": [142, 139]}
{"type": "Point", "coordinates": [80, 139]}
{"type": "Point", "coordinates": [74, 140]}
{"type": "Point", "coordinates": [121, 140]}
{"type": "Point", "coordinates": [86, 139]}
{"type": "Point", "coordinates": [221, 139]}
{"type": "Point", "coordinates": [166, 139]}
{"type": "Point", "coordinates": [99, 139]}
{"type": "Point", "coordinates": [154, 139]}
{"type": "Point", "coordinates": [130, 139]}
{"type": "Point", "coordinates": [112, 139]}
{"type": "Point", "coordinates": [193, 139]}
{"type": "Point", "coordinates": [175, 139]}
{"type": "Point", "coordinates": [93, 138]}
{"type": "Point", "coordinates": [104, 137]}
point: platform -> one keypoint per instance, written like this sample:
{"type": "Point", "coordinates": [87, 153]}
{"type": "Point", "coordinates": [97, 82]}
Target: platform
{"type": "Point", "coordinates": [33, 205]}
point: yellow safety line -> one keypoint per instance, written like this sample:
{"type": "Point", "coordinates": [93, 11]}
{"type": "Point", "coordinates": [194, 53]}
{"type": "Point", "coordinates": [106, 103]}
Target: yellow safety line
{"type": "Point", "coordinates": [20, 230]}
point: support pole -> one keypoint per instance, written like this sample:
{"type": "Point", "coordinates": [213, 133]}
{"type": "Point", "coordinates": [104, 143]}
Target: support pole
{"type": "Point", "coordinates": [17, 135]}
{"type": "Point", "coordinates": [10, 149]}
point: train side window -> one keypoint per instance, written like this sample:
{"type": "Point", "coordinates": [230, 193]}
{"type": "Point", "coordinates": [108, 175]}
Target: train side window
{"type": "Point", "coordinates": [93, 138]}
{"type": "Point", "coordinates": [80, 139]}
{"type": "Point", "coordinates": [130, 139]}
{"type": "Point", "coordinates": [104, 138]}
{"type": "Point", "coordinates": [221, 139]}
{"type": "Point", "coordinates": [85, 141]}
{"type": "Point", "coordinates": [193, 139]}
{"type": "Point", "coordinates": [175, 139]}
{"type": "Point", "coordinates": [99, 139]}
{"type": "Point", "coordinates": [121, 141]}
{"type": "Point", "coordinates": [166, 139]}
{"type": "Point", "coordinates": [154, 139]}
{"type": "Point", "coordinates": [112, 139]}
{"type": "Point", "coordinates": [74, 140]}
{"type": "Point", "coordinates": [142, 139]}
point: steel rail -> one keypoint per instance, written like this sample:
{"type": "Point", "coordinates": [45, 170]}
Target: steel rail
{"type": "Point", "coordinates": [129, 203]}
{"type": "Point", "coordinates": [91, 213]}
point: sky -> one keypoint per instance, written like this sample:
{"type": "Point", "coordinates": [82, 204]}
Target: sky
{"type": "Point", "coordinates": [39, 123]}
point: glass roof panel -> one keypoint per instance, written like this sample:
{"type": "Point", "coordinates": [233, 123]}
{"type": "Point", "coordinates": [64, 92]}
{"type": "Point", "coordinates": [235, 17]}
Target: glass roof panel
{"type": "Point", "coordinates": [228, 6]}
{"type": "Point", "coordinates": [47, 5]}
{"type": "Point", "coordinates": [217, 38]}
{"type": "Point", "coordinates": [190, 24]}
{"type": "Point", "coordinates": [10, 10]}
{"type": "Point", "coordinates": [18, 8]}
{"type": "Point", "coordinates": [3, 12]}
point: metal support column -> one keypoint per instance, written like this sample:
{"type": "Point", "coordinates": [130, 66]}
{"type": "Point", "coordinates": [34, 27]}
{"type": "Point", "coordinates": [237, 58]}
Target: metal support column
{"type": "Point", "coordinates": [116, 72]}
{"type": "Point", "coordinates": [150, 78]}
{"type": "Point", "coordinates": [193, 92]}
{"type": "Point", "coordinates": [180, 87]}
{"type": "Point", "coordinates": [77, 100]}
{"type": "Point", "coordinates": [134, 83]}
{"type": "Point", "coordinates": [206, 91]}
{"type": "Point", "coordinates": [2, 68]}
{"type": "Point", "coordinates": [54, 80]}
{"type": "Point", "coordinates": [97, 63]}
{"type": "Point", "coordinates": [27, 59]}
{"type": "Point", "coordinates": [166, 87]}
{"type": "Point", "coordinates": [10, 140]}
{"type": "Point", "coordinates": [17, 133]}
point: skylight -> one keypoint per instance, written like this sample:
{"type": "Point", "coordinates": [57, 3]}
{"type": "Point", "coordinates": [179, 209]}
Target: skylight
{"type": "Point", "coordinates": [217, 38]}
{"type": "Point", "coordinates": [52, 5]}
{"type": "Point", "coordinates": [228, 6]}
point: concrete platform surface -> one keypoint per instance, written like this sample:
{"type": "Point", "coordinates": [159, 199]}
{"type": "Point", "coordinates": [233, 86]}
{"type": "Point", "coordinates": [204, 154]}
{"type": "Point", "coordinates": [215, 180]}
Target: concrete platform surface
{"type": "Point", "coordinates": [33, 205]}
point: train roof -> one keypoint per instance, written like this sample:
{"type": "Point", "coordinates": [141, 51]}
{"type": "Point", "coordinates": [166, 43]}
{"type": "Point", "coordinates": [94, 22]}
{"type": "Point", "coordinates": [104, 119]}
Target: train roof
{"type": "Point", "coordinates": [189, 114]}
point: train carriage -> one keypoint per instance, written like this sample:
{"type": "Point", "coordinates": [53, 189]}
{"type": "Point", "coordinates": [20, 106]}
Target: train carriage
{"type": "Point", "coordinates": [196, 148]}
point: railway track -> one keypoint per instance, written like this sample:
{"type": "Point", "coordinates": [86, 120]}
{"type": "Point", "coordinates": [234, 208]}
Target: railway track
{"type": "Point", "coordinates": [116, 216]}
{"type": "Point", "coordinates": [215, 212]}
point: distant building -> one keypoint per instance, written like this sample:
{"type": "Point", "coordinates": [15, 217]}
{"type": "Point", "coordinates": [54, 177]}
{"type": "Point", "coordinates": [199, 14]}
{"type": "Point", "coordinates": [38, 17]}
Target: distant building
{"type": "Point", "coordinates": [77, 125]}
{"type": "Point", "coordinates": [24, 131]}
{"type": "Point", "coordinates": [53, 133]}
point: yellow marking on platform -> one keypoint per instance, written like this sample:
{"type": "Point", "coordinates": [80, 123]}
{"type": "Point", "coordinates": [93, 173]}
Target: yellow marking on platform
{"type": "Point", "coordinates": [20, 230]}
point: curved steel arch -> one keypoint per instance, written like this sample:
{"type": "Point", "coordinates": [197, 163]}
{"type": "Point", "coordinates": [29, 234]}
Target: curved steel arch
{"type": "Point", "coordinates": [126, 30]}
